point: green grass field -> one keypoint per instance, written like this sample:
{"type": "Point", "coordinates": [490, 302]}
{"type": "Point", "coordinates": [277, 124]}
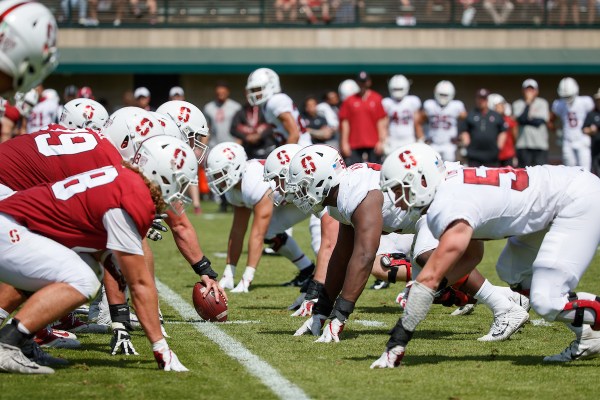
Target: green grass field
{"type": "Point", "coordinates": [444, 361]}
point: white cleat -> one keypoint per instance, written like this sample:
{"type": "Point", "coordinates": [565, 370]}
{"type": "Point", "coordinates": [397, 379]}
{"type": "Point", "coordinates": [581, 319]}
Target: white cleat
{"type": "Point", "coordinates": [464, 310]}
{"type": "Point", "coordinates": [506, 324]}
{"type": "Point", "coordinates": [587, 345]}
{"type": "Point", "coordinates": [521, 300]}
{"type": "Point", "coordinates": [242, 287]}
{"type": "Point", "coordinates": [226, 282]}
{"type": "Point", "coordinates": [13, 360]}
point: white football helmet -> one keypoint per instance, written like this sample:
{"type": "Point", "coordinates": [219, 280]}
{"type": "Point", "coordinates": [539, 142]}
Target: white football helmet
{"type": "Point", "coordinates": [170, 163]}
{"type": "Point", "coordinates": [276, 168]}
{"type": "Point", "coordinates": [224, 166]}
{"type": "Point", "coordinates": [190, 121]}
{"type": "Point", "coordinates": [29, 51]}
{"type": "Point", "coordinates": [128, 127]}
{"type": "Point", "coordinates": [398, 87]}
{"type": "Point", "coordinates": [494, 99]}
{"type": "Point", "coordinates": [24, 102]}
{"type": "Point", "coordinates": [568, 89]}
{"type": "Point", "coordinates": [312, 173]}
{"type": "Point", "coordinates": [416, 167]}
{"type": "Point", "coordinates": [50, 95]}
{"type": "Point", "coordinates": [444, 92]}
{"type": "Point", "coordinates": [83, 113]}
{"type": "Point", "coordinates": [348, 88]}
{"type": "Point", "coordinates": [262, 84]}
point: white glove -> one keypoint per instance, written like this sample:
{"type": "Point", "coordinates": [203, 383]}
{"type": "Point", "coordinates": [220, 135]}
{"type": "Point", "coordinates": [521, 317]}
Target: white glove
{"type": "Point", "coordinates": [390, 358]}
{"type": "Point", "coordinates": [331, 333]}
{"type": "Point", "coordinates": [312, 325]}
{"type": "Point", "coordinates": [121, 340]}
{"type": "Point", "coordinates": [167, 360]}
{"type": "Point", "coordinates": [305, 309]}
{"type": "Point", "coordinates": [402, 297]}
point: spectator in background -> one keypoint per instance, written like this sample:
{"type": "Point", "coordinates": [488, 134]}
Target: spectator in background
{"type": "Point", "coordinates": [219, 114]}
{"type": "Point", "coordinates": [308, 7]}
{"type": "Point", "coordinates": [176, 93]}
{"type": "Point", "coordinates": [591, 126]}
{"type": "Point", "coordinates": [483, 132]}
{"type": "Point", "coordinates": [251, 129]}
{"type": "Point", "coordinates": [137, 11]}
{"type": "Point", "coordinates": [506, 156]}
{"type": "Point", "coordinates": [532, 114]}
{"type": "Point", "coordinates": [533, 9]}
{"type": "Point", "coordinates": [329, 109]}
{"type": "Point", "coordinates": [499, 10]}
{"type": "Point", "coordinates": [316, 125]}
{"type": "Point", "coordinates": [142, 98]}
{"type": "Point", "coordinates": [86, 93]}
{"type": "Point", "coordinates": [45, 112]}
{"type": "Point", "coordinates": [286, 6]}
{"type": "Point", "coordinates": [70, 93]}
{"type": "Point", "coordinates": [469, 12]}
{"type": "Point", "coordinates": [69, 5]}
{"type": "Point", "coordinates": [363, 124]}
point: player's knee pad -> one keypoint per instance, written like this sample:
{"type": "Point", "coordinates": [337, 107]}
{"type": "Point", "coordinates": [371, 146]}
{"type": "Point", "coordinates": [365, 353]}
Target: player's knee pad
{"type": "Point", "coordinates": [581, 305]}
{"type": "Point", "coordinates": [278, 241]}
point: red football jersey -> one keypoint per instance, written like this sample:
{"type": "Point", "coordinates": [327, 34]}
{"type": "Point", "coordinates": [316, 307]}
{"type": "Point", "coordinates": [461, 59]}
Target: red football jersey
{"type": "Point", "coordinates": [70, 211]}
{"type": "Point", "coordinates": [53, 154]}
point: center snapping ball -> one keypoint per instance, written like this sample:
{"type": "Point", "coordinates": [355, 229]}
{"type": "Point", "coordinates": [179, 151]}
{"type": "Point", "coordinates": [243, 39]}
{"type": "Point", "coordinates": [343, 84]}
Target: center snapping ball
{"type": "Point", "coordinates": [207, 307]}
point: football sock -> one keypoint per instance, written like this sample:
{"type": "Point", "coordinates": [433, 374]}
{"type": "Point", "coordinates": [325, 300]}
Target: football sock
{"type": "Point", "coordinates": [418, 305]}
{"type": "Point", "coordinates": [489, 295]}
{"type": "Point", "coordinates": [229, 270]}
{"type": "Point", "coordinates": [249, 274]}
{"type": "Point", "coordinates": [292, 252]}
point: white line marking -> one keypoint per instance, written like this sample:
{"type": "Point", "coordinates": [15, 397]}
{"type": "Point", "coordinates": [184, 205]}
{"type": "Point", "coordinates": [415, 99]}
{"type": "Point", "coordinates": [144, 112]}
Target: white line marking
{"type": "Point", "coordinates": [196, 321]}
{"type": "Point", "coordinates": [220, 255]}
{"type": "Point", "coordinates": [269, 376]}
{"type": "Point", "coordinates": [540, 322]}
{"type": "Point", "coordinates": [365, 322]}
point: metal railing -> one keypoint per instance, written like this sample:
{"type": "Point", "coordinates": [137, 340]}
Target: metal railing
{"type": "Point", "coordinates": [330, 13]}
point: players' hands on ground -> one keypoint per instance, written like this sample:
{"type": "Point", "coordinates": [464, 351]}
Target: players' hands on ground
{"type": "Point", "coordinates": [121, 341]}
{"type": "Point", "coordinates": [167, 360]}
{"type": "Point", "coordinates": [312, 325]}
{"type": "Point", "coordinates": [331, 332]}
{"type": "Point", "coordinates": [390, 358]}
{"type": "Point", "coordinates": [211, 284]}
{"type": "Point", "coordinates": [305, 309]}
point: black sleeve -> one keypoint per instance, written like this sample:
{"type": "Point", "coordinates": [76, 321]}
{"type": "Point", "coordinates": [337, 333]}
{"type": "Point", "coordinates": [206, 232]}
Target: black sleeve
{"type": "Point", "coordinates": [463, 124]}
{"type": "Point", "coordinates": [237, 119]}
{"type": "Point", "coordinates": [524, 120]}
{"type": "Point", "coordinates": [589, 119]}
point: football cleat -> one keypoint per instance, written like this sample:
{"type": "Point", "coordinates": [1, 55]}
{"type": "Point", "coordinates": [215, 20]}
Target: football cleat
{"type": "Point", "coordinates": [303, 276]}
{"type": "Point", "coordinates": [242, 286]}
{"type": "Point", "coordinates": [226, 282]}
{"type": "Point", "coordinates": [521, 300]}
{"type": "Point", "coordinates": [506, 324]}
{"type": "Point", "coordinates": [33, 351]}
{"type": "Point", "coordinates": [12, 359]}
{"type": "Point", "coordinates": [380, 284]}
{"type": "Point", "coordinates": [71, 323]}
{"type": "Point", "coordinates": [587, 345]}
{"type": "Point", "coordinates": [83, 309]}
{"type": "Point", "coordinates": [46, 338]}
{"type": "Point", "coordinates": [464, 310]}
{"type": "Point", "coordinates": [64, 334]}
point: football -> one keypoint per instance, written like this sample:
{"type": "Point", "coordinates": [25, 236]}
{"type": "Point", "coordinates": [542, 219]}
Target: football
{"type": "Point", "coordinates": [207, 307]}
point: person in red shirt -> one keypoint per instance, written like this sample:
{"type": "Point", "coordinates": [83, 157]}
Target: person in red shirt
{"type": "Point", "coordinates": [111, 207]}
{"type": "Point", "coordinates": [363, 124]}
{"type": "Point", "coordinates": [506, 143]}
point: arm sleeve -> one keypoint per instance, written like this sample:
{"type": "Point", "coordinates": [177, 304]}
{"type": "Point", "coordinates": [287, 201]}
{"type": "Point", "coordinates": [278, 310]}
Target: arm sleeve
{"type": "Point", "coordinates": [121, 232]}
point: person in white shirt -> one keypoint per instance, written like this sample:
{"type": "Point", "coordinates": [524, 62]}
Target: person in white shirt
{"type": "Point", "coordinates": [403, 113]}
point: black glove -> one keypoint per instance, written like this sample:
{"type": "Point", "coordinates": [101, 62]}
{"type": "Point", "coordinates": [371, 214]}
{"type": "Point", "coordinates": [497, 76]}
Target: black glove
{"type": "Point", "coordinates": [157, 227]}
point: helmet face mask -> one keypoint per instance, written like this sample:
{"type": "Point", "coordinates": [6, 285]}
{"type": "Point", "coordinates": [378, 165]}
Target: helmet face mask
{"type": "Point", "coordinates": [276, 169]}
{"type": "Point", "coordinates": [262, 84]}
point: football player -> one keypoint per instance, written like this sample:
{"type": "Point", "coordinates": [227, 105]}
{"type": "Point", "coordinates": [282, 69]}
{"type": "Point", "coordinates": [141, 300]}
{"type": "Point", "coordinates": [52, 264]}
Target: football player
{"type": "Point", "coordinates": [263, 89]}
{"type": "Point", "coordinates": [31, 30]}
{"type": "Point", "coordinates": [572, 109]}
{"type": "Point", "coordinates": [105, 208]}
{"type": "Point", "coordinates": [403, 113]}
{"type": "Point", "coordinates": [547, 214]}
{"type": "Point", "coordinates": [441, 114]}
{"type": "Point", "coordinates": [241, 181]}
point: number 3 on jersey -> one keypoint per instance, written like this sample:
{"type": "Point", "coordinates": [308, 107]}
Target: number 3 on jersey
{"type": "Point", "coordinates": [519, 177]}
{"type": "Point", "coordinates": [67, 188]}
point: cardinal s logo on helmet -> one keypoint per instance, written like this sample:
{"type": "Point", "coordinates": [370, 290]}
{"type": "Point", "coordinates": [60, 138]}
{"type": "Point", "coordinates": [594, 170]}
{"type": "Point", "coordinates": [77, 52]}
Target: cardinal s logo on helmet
{"type": "Point", "coordinates": [179, 158]}
{"type": "Point", "coordinates": [408, 159]}
{"type": "Point", "coordinates": [308, 165]}
{"type": "Point", "coordinates": [283, 157]}
{"type": "Point", "coordinates": [184, 114]}
{"type": "Point", "coordinates": [144, 127]}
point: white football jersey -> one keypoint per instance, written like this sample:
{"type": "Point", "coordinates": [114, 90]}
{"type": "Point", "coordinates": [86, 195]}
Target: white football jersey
{"type": "Point", "coordinates": [281, 103]}
{"type": "Point", "coordinates": [572, 116]}
{"type": "Point", "coordinates": [402, 118]}
{"type": "Point", "coordinates": [442, 121]}
{"type": "Point", "coordinates": [253, 186]}
{"type": "Point", "coordinates": [501, 202]}
{"type": "Point", "coordinates": [326, 111]}
{"type": "Point", "coordinates": [42, 115]}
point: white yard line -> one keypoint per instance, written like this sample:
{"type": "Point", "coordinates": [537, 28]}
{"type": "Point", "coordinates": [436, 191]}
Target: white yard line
{"type": "Point", "coordinates": [269, 376]}
{"type": "Point", "coordinates": [368, 323]}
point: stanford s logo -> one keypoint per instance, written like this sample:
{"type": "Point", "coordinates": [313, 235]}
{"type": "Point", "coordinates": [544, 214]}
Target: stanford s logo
{"type": "Point", "coordinates": [179, 158]}
{"type": "Point", "coordinates": [230, 155]}
{"type": "Point", "coordinates": [308, 165]}
{"type": "Point", "coordinates": [144, 127]}
{"type": "Point", "coordinates": [14, 236]}
{"type": "Point", "coordinates": [408, 159]}
{"type": "Point", "coordinates": [283, 157]}
{"type": "Point", "coordinates": [88, 112]}
{"type": "Point", "coordinates": [184, 114]}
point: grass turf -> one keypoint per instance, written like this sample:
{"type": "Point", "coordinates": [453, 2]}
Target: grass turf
{"type": "Point", "coordinates": [444, 361]}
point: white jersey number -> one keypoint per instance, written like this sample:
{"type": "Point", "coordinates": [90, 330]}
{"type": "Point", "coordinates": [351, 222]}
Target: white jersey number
{"type": "Point", "coordinates": [65, 143]}
{"type": "Point", "coordinates": [67, 188]}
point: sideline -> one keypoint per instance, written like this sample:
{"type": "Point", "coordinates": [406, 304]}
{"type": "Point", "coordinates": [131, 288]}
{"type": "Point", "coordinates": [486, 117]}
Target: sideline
{"type": "Point", "coordinates": [269, 376]}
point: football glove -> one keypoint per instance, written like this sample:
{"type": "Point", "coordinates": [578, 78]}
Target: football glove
{"type": "Point", "coordinates": [167, 360]}
{"type": "Point", "coordinates": [312, 325]}
{"type": "Point", "coordinates": [390, 358]}
{"type": "Point", "coordinates": [331, 333]}
{"type": "Point", "coordinates": [402, 297]}
{"type": "Point", "coordinates": [121, 340]}
{"type": "Point", "coordinates": [154, 233]}
{"type": "Point", "coordinates": [305, 309]}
